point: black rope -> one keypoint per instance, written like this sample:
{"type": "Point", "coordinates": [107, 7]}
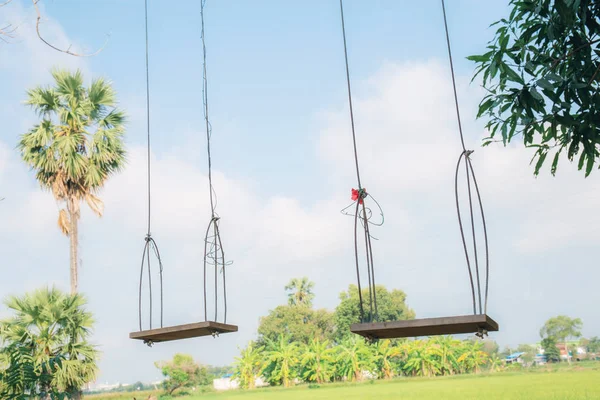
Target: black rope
{"type": "Point", "coordinates": [485, 236]}
{"type": "Point", "coordinates": [469, 173]}
{"type": "Point", "coordinates": [140, 287]}
{"type": "Point", "coordinates": [370, 264]}
{"type": "Point", "coordinates": [350, 95]}
{"type": "Point", "coordinates": [213, 246]}
{"type": "Point", "coordinates": [362, 311]}
{"type": "Point", "coordinates": [148, 112]}
{"type": "Point", "coordinates": [149, 241]}
{"type": "Point", "coordinates": [364, 213]}
{"type": "Point", "coordinates": [462, 232]}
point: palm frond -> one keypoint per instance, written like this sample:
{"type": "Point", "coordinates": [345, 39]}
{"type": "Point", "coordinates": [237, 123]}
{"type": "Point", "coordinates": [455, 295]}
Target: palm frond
{"type": "Point", "coordinates": [43, 101]}
{"type": "Point", "coordinates": [101, 94]}
{"type": "Point", "coordinates": [63, 221]}
{"type": "Point", "coordinates": [95, 204]}
{"type": "Point", "coordinates": [69, 85]}
{"type": "Point", "coordinates": [114, 119]}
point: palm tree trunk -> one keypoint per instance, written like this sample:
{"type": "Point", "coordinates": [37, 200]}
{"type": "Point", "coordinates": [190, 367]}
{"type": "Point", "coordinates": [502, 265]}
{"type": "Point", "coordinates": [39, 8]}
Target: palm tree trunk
{"type": "Point", "coordinates": [74, 243]}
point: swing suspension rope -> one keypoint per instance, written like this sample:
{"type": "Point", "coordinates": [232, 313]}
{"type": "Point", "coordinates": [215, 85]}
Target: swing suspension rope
{"type": "Point", "coordinates": [214, 254]}
{"type": "Point", "coordinates": [478, 306]}
{"type": "Point", "coordinates": [150, 246]}
{"type": "Point", "coordinates": [361, 212]}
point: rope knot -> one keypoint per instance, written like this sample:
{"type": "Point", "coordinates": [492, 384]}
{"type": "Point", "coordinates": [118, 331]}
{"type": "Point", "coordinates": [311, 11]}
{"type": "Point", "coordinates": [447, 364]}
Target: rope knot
{"type": "Point", "coordinates": [359, 195]}
{"type": "Point", "coordinates": [467, 153]}
{"type": "Point", "coordinates": [148, 237]}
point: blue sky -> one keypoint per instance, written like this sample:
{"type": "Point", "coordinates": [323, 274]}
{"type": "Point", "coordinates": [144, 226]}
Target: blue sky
{"type": "Point", "coordinates": [283, 167]}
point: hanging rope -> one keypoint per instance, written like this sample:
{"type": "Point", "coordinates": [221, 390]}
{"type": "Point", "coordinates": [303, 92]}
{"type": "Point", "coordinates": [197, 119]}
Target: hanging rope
{"type": "Point", "coordinates": [150, 243]}
{"type": "Point", "coordinates": [213, 247]}
{"type": "Point", "coordinates": [478, 306]}
{"type": "Point", "coordinates": [361, 213]}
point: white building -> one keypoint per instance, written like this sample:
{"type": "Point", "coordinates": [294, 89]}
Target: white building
{"type": "Point", "coordinates": [227, 383]}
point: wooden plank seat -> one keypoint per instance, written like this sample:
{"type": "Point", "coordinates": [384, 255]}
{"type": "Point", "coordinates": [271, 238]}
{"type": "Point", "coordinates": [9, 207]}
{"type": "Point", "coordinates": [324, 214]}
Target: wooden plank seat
{"type": "Point", "coordinates": [426, 327]}
{"type": "Point", "coordinates": [186, 331]}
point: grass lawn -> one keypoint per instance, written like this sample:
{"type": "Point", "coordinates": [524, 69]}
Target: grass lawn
{"type": "Point", "coordinates": [558, 384]}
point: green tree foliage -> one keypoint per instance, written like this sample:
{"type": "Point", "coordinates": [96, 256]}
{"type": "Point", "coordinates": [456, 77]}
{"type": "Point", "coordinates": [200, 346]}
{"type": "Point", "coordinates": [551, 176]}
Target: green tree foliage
{"type": "Point", "coordinates": [551, 352]}
{"type": "Point", "coordinates": [423, 359]}
{"type": "Point", "coordinates": [317, 361]}
{"type": "Point", "coordinates": [293, 347]}
{"type": "Point", "coordinates": [490, 347]}
{"type": "Point", "coordinates": [593, 345]}
{"type": "Point", "coordinates": [301, 324]}
{"type": "Point", "coordinates": [353, 357]}
{"type": "Point", "coordinates": [391, 306]}
{"type": "Point", "coordinates": [352, 360]}
{"type": "Point", "coordinates": [496, 363]}
{"type": "Point", "coordinates": [561, 328]}
{"type": "Point", "coordinates": [542, 75]}
{"type": "Point", "coordinates": [447, 346]}
{"type": "Point", "coordinates": [384, 354]}
{"type": "Point", "coordinates": [249, 365]}
{"type": "Point", "coordinates": [22, 377]}
{"type": "Point", "coordinates": [49, 331]}
{"type": "Point", "coordinates": [282, 360]}
{"type": "Point", "coordinates": [473, 356]}
{"type": "Point", "coordinates": [182, 372]}
{"type": "Point", "coordinates": [75, 148]}
{"type": "Point", "coordinates": [300, 292]}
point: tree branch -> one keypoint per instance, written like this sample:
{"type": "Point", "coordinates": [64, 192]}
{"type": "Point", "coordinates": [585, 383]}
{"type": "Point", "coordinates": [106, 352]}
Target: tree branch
{"type": "Point", "coordinates": [7, 32]}
{"type": "Point", "coordinates": [5, 3]}
{"type": "Point", "coordinates": [68, 50]}
{"type": "Point", "coordinates": [569, 54]}
{"type": "Point", "coordinates": [595, 73]}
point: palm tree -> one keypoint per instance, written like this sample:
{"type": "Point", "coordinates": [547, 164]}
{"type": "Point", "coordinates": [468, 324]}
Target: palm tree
{"type": "Point", "coordinates": [447, 347]}
{"type": "Point", "coordinates": [352, 359]}
{"type": "Point", "coordinates": [496, 363]}
{"type": "Point", "coordinates": [423, 359]}
{"type": "Point", "coordinates": [76, 147]}
{"type": "Point", "coordinates": [384, 353]}
{"type": "Point", "coordinates": [248, 366]}
{"type": "Point", "coordinates": [473, 356]}
{"type": "Point", "coordinates": [282, 359]}
{"type": "Point", "coordinates": [300, 292]}
{"type": "Point", "coordinates": [51, 324]}
{"type": "Point", "coordinates": [317, 361]}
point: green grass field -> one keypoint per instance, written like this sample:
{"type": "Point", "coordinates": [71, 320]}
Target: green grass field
{"type": "Point", "coordinates": [562, 384]}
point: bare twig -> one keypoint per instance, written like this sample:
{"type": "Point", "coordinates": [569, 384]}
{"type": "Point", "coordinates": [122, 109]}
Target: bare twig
{"type": "Point", "coordinates": [5, 3]}
{"type": "Point", "coordinates": [68, 50]}
{"type": "Point", "coordinates": [595, 74]}
{"type": "Point", "coordinates": [7, 32]}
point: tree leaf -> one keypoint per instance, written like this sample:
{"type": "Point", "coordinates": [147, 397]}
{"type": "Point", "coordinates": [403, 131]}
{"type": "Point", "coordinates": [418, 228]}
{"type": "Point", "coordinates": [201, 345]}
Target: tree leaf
{"type": "Point", "coordinates": [545, 84]}
{"type": "Point", "coordinates": [541, 157]}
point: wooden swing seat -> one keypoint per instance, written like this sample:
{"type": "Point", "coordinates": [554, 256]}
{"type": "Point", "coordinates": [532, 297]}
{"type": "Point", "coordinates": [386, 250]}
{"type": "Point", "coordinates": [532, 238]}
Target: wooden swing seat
{"type": "Point", "coordinates": [179, 332]}
{"type": "Point", "coordinates": [426, 327]}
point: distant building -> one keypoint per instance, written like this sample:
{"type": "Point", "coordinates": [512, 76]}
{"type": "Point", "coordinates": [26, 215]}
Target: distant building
{"type": "Point", "coordinates": [540, 359]}
{"type": "Point", "coordinates": [514, 358]}
{"type": "Point", "coordinates": [227, 383]}
{"type": "Point", "coordinates": [580, 351]}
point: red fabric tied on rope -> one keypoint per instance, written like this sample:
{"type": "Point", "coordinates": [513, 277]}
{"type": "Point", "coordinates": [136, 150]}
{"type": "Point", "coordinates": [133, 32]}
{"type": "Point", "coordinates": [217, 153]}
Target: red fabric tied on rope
{"type": "Point", "coordinates": [356, 195]}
